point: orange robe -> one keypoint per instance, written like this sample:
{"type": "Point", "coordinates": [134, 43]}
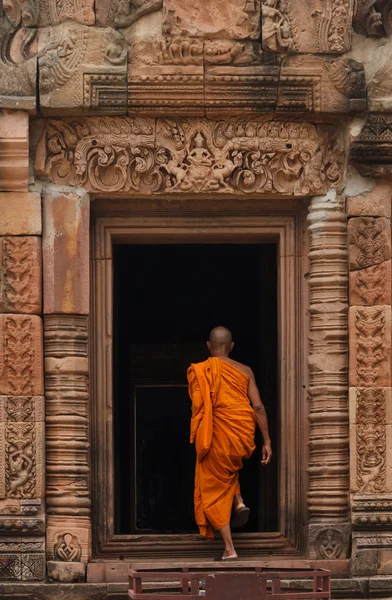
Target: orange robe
{"type": "Point", "coordinates": [223, 429]}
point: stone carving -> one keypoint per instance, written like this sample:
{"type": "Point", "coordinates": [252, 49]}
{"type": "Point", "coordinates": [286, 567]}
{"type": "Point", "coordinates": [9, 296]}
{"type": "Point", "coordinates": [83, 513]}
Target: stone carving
{"type": "Point", "coordinates": [14, 165]}
{"type": "Point", "coordinates": [371, 439]}
{"type": "Point", "coordinates": [330, 544]}
{"type": "Point", "coordinates": [371, 286]}
{"type": "Point", "coordinates": [124, 13]}
{"type": "Point", "coordinates": [334, 34]}
{"type": "Point", "coordinates": [370, 355]}
{"type": "Point", "coordinates": [82, 70]}
{"type": "Point", "coordinates": [277, 32]}
{"type": "Point", "coordinates": [328, 495]}
{"type": "Point", "coordinates": [348, 76]}
{"type": "Point", "coordinates": [67, 548]}
{"type": "Point", "coordinates": [373, 17]}
{"type": "Point", "coordinates": [239, 155]}
{"type": "Point", "coordinates": [18, 67]}
{"type": "Point", "coordinates": [369, 240]}
{"type": "Point", "coordinates": [22, 12]}
{"type": "Point", "coordinates": [20, 281]}
{"type": "Point", "coordinates": [53, 12]}
{"type": "Point", "coordinates": [20, 355]}
{"type": "Point", "coordinates": [226, 19]}
{"type": "Point", "coordinates": [371, 151]}
{"type": "Point", "coordinates": [235, 53]}
{"type": "Point", "coordinates": [20, 471]}
{"type": "Point", "coordinates": [169, 51]}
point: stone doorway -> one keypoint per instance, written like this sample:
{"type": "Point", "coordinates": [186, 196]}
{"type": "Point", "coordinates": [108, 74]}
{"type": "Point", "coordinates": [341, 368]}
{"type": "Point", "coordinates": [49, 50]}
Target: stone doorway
{"type": "Point", "coordinates": [166, 299]}
{"type": "Point", "coordinates": [229, 224]}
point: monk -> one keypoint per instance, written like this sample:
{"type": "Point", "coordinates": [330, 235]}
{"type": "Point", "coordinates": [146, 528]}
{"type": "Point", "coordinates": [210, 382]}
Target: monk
{"type": "Point", "coordinates": [226, 406]}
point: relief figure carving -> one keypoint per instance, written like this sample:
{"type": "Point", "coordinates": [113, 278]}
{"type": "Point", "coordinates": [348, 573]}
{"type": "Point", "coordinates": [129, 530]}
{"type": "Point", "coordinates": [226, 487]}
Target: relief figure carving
{"type": "Point", "coordinates": [277, 35]}
{"type": "Point", "coordinates": [371, 439]}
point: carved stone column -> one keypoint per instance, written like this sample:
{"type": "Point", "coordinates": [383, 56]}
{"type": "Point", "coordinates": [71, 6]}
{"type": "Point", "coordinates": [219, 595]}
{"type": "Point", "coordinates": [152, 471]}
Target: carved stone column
{"type": "Point", "coordinates": [66, 305]}
{"type": "Point", "coordinates": [22, 426]}
{"type": "Point", "coordinates": [328, 496]}
{"type": "Point", "coordinates": [370, 380]}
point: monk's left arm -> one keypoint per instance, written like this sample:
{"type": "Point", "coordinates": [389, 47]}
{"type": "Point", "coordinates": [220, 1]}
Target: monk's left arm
{"type": "Point", "coordinates": [261, 418]}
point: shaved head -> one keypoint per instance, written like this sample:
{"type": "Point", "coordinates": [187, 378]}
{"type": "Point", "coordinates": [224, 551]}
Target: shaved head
{"type": "Point", "coordinates": [220, 337]}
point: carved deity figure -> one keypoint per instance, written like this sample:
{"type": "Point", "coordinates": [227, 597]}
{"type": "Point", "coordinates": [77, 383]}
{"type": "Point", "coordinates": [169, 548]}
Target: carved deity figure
{"type": "Point", "coordinates": [330, 544]}
{"type": "Point", "coordinates": [20, 466]}
{"type": "Point", "coordinates": [67, 550]}
{"type": "Point", "coordinates": [276, 28]}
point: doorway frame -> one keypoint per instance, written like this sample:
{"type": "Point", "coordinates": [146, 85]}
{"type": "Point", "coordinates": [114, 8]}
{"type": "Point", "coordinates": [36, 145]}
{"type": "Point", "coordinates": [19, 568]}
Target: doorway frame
{"type": "Point", "coordinates": [232, 221]}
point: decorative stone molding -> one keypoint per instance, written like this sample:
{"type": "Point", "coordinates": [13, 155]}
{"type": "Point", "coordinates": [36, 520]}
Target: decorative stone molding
{"type": "Point", "coordinates": [20, 274]}
{"type": "Point", "coordinates": [14, 151]}
{"type": "Point", "coordinates": [328, 495]}
{"type": "Point", "coordinates": [67, 484]}
{"type": "Point", "coordinates": [370, 346]}
{"type": "Point", "coordinates": [371, 151]}
{"type": "Point", "coordinates": [141, 156]}
{"type": "Point", "coordinates": [369, 241]}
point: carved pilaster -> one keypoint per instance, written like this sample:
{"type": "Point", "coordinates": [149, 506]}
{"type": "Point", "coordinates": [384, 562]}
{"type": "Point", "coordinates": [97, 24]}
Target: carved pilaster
{"type": "Point", "coordinates": [370, 380]}
{"type": "Point", "coordinates": [67, 488]}
{"type": "Point", "coordinates": [328, 495]}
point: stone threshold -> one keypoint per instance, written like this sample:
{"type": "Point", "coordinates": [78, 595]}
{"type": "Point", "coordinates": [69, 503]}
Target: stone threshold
{"type": "Point", "coordinates": [356, 588]}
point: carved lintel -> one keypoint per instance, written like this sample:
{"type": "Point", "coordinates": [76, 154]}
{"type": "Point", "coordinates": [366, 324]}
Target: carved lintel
{"type": "Point", "coordinates": [242, 155]}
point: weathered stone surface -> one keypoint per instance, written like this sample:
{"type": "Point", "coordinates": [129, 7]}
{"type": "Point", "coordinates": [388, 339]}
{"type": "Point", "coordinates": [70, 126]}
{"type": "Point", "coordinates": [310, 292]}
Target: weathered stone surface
{"type": "Point", "coordinates": [124, 13]}
{"type": "Point", "coordinates": [335, 85]}
{"type": "Point", "coordinates": [20, 213]}
{"type": "Point", "coordinates": [18, 61]}
{"type": "Point", "coordinates": [371, 286]}
{"type": "Point", "coordinates": [295, 25]}
{"type": "Point", "coordinates": [21, 13]}
{"type": "Point", "coordinates": [82, 69]}
{"type": "Point", "coordinates": [226, 19]}
{"type": "Point", "coordinates": [371, 150]}
{"type": "Point", "coordinates": [376, 203]}
{"type": "Point", "coordinates": [20, 274]}
{"type": "Point", "coordinates": [369, 241]}
{"type": "Point", "coordinates": [21, 354]}
{"type": "Point", "coordinates": [66, 572]}
{"type": "Point", "coordinates": [191, 155]}
{"type": "Point", "coordinates": [14, 151]}
{"type": "Point", "coordinates": [53, 13]}
{"type": "Point", "coordinates": [370, 346]}
{"type": "Point", "coordinates": [66, 252]}
{"type": "Point", "coordinates": [372, 18]}
{"type": "Point", "coordinates": [329, 541]}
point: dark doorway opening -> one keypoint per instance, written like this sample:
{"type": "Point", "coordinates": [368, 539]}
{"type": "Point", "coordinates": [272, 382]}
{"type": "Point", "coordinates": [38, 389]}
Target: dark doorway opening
{"type": "Point", "coordinates": [166, 299]}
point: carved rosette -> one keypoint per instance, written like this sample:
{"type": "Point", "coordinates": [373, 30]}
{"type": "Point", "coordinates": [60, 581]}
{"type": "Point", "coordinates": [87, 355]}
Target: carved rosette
{"type": "Point", "coordinates": [328, 495]}
{"type": "Point", "coordinates": [67, 468]}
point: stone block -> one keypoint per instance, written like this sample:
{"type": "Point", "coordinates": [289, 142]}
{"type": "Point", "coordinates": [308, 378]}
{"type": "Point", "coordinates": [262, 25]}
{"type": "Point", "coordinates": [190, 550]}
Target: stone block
{"type": "Point", "coordinates": [20, 274]}
{"type": "Point", "coordinates": [82, 70]}
{"type": "Point", "coordinates": [224, 19]}
{"type": "Point", "coordinates": [10, 567]}
{"type": "Point", "coordinates": [66, 572]}
{"type": "Point", "coordinates": [66, 542]}
{"type": "Point", "coordinates": [380, 587]}
{"type": "Point", "coordinates": [369, 241]}
{"type": "Point", "coordinates": [371, 286]}
{"type": "Point", "coordinates": [112, 13]}
{"type": "Point", "coordinates": [66, 252]}
{"type": "Point", "coordinates": [329, 542]}
{"type": "Point", "coordinates": [21, 13]}
{"type": "Point", "coordinates": [376, 203]}
{"type": "Point", "coordinates": [21, 355]}
{"type": "Point", "coordinates": [370, 151]}
{"type": "Point", "coordinates": [14, 150]}
{"type": "Point", "coordinates": [20, 213]}
{"type": "Point", "coordinates": [33, 567]}
{"type": "Point", "coordinates": [370, 346]}
{"type": "Point", "coordinates": [364, 562]}
{"type": "Point", "coordinates": [294, 25]}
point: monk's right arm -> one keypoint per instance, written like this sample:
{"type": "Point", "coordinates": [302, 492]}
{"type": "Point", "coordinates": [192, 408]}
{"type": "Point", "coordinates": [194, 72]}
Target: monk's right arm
{"type": "Point", "coordinates": [261, 418]}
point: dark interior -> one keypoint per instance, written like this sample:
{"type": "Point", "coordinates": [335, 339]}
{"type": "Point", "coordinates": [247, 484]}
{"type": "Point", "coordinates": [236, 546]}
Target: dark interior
{"type": "Point", "coordinates": [166, 300]}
